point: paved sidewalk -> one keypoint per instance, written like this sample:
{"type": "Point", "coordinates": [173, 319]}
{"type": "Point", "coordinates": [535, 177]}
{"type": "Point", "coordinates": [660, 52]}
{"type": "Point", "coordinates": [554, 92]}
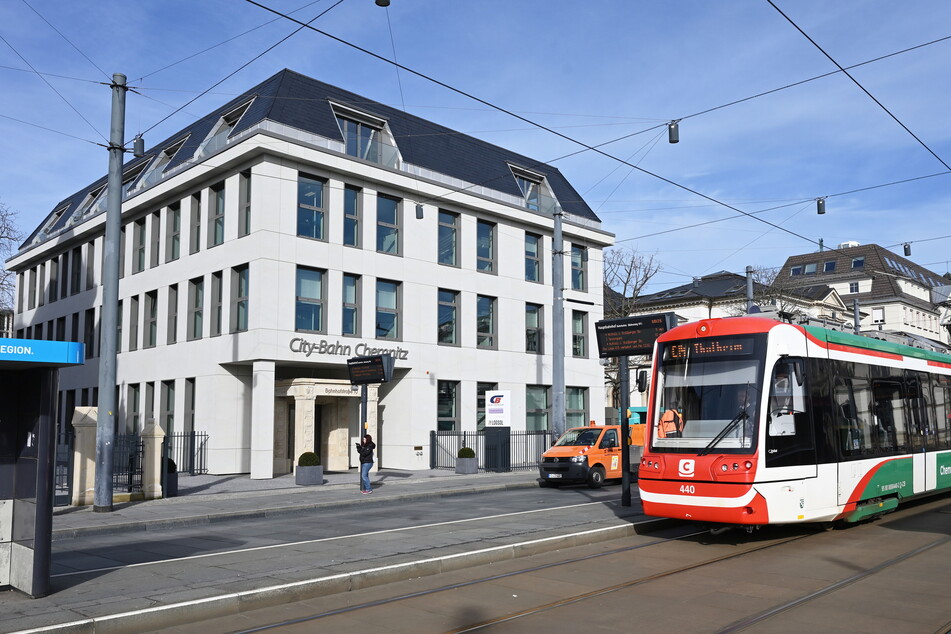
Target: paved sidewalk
{"type": "Point", "coordinates": [100, 587]}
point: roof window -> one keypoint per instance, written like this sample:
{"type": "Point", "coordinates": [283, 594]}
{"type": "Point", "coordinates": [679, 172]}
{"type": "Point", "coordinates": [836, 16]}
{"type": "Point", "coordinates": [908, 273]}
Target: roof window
{"type": "Point", "coordinates": [363, 136]}
{"type": "Point", "coordinates": [859, 262]}
{"type": "Point", "coordinates": [160, 162]}
{"type": "Point", "coordinates": [529, 183]}
{"type": "Point", "coordinates": [222, 130]}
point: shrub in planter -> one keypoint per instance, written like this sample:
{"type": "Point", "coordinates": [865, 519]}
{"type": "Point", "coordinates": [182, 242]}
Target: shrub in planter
{"type": "Point", "coordinates": [309, 470]}
{"type": "Point", "coordinates": [466, 461]}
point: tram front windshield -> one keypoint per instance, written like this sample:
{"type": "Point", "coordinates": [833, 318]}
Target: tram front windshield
{"type": "Point", "coordinates": [708, 393]}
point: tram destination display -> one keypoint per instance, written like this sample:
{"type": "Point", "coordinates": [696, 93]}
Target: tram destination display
{"type": "Point", "coordinates": [631, 336]}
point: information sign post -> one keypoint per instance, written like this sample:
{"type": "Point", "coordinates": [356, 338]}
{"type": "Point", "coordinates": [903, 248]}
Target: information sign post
{"type": "Point", "coordinates": [622, 338]}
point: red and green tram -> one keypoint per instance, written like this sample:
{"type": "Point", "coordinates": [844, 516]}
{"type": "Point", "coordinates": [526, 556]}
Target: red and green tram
{"type": "Point", "coordinates": [781, 423]}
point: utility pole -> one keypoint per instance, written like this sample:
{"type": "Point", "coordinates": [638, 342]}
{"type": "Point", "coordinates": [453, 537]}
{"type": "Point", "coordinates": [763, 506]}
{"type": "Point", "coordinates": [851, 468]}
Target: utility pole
{"type": "Point", "coordinates": [105, 424]}
{"type": "Point", "coordinates": [558, 326]}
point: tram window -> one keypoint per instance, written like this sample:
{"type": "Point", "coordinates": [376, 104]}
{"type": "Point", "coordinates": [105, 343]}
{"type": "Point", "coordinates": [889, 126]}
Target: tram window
{"type": "Point", "coordinates": [942, 406]}
{"type": "Point", "coordinates": [888, 413]}
{"type": "Point", "coordinates": [786, 397]}
{"type": "Point", "coordinates": [920, 418]}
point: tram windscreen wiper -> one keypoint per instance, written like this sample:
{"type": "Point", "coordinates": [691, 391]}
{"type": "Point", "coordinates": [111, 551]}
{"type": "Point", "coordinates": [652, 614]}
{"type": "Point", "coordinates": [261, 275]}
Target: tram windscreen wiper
{"type": "Point", "coordinates": [740, 416]}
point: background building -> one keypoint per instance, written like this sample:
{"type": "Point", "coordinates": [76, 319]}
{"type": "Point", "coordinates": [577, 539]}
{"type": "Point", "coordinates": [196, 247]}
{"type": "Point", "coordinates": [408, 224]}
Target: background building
{"type": "Point", "coordinates": [300, 225]}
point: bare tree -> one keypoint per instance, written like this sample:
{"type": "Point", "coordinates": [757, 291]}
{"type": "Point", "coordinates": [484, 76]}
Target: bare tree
{"type": "Point", "coordinates": [10, 238]}
{"type": "Point", "coordinates": [626, 272]}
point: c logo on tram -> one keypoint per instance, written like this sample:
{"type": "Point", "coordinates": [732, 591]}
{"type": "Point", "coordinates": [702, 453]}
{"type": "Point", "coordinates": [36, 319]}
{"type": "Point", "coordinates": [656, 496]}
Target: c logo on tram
{"type": "Point", "coordinates": [686, 468]}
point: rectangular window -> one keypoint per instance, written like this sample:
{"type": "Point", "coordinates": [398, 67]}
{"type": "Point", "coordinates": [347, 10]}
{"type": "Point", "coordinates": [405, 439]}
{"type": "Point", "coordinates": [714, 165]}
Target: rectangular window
{"type": "Point", "coordinates": [859, 262]}
{"type": "Point", "coordinates": [134, 322]}
{"type": "Point", "coordinates": [133, 409]}
{"type": "Point", "coordinates": [216, 215]}
{"type": "Point", "coordinates": [41, 281]}
{"type": "Point", "coordinates": [63, 276]}
{"type": "Point", "coordinates": [809, 269]}
{"type": "Point", "coordinates": [387, 309]}
{"type": "Point", "coordinates": [576, 406]}
{"type": "Point", "coordinates": [138, 246]}
{"type": "Point", "coordinates": [167, 411]}
{"type": "Point", "coordinates": [54, 282]}
{"type": "Point", "coordinates": [61, 332]}
{"type": "Point", "coordinates": [530, 190]}
{"type": "Point", "coordinates": [481, 389]}
{"type": "Point", "coordinates": [533, 262]}
{"type": "Point", "coordinates": [447, 315]}
{"type": "Point", "coordinates": [828, 267]}
{"type": "Point", "coordinates": [536, 407]}
{"type": "Point", "coordinates": [240, 294]}
{"type": "Point", "coordinates": [216, 299]}
{"type": "Point", "coordinates": [118, 326]}
{"type": "Point", "coordinates": [533, 328]}
{"type": "Point", "coordinates": [448, 238]}
{"type": "Point", "coordinates": [853, 287]}
{"type": "Point", "coordinates": [196, 305]}
{"type": "Point", "coordinates": [447, 405]}
{"type": "Point", "coordinates": [194, 237]}
{"type": "Point", "coordinates": [387, 224]}
{"type": "Point", "coordinates": [148, 414]}
{"type": "Point", "coordinates": [172, 323]}
{"type": "Point", "coordinates": [91, 265]}
{"type": "Point", "coordinates": [151, 319]}
{"type": "Point", "coordinates": [310, 300]}
{"type": "Point", "coordinates": [190, 398]}
{"type": "Point", "coordinates": [485, 322]}
{"type": "Point", "coordinates": [361, 139]}
{"type": "Point", "coordinates": [351, 216]}
{"type": "Point", "coordinates": [121, 253]}
{"type": "Point", "coordinates": [878, 315]}
{"type": "Point", "coordinates": [579, 333]}
{"type": "Point", "coordinates": [310, 207]}
{"type": "Point", "coordinates": [795, 270]}
{"type": "Point", "coordinates": [244, 203]}
{"type": "Point", "coordinates": [579, 268]}
{"type": "Point", "coordinates": [155, 242]}
{"type": "Point", "coordinates": [89, 331]}
{"type": "Point", "coordinates": [77, 271]}
{"type": "Point", "coordinates": [173, 228]}
{"type": "Point", "coordinates": [32, 296]}
{"type": "Point", "coordinates": [351, 305]}
{"type": "Point", "coordinates": [485, 246]}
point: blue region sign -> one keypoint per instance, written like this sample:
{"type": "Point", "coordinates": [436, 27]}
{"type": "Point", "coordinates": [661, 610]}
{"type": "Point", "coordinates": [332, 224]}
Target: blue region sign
{"type": "Point", "coordinates": [41, 352]}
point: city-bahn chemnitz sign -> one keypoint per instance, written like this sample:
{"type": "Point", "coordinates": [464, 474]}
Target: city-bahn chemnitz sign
{"type": "Point", "coordinates": [630, 336]}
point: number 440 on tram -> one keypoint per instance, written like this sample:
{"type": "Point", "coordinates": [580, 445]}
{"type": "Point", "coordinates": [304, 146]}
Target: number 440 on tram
{"type": "Point", "coordinates": [755, 421]}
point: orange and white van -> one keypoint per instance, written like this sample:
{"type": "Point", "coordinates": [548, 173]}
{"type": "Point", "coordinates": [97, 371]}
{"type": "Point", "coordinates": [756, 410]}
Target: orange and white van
{"type": "Point", "coordinates": [588, 454]}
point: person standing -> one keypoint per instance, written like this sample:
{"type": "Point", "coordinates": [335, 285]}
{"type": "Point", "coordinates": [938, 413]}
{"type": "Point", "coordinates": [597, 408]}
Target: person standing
{"type": "Point", "coordinates": [365, 448]}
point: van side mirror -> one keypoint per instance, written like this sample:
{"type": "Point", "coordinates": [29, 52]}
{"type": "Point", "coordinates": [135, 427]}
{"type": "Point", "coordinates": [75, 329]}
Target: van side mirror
{"type": "Point", "coordinates": [642, 381]}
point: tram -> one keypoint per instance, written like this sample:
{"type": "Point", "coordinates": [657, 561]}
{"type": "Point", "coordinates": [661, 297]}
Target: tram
{"type": "Point", "coordinates": [779, 423]}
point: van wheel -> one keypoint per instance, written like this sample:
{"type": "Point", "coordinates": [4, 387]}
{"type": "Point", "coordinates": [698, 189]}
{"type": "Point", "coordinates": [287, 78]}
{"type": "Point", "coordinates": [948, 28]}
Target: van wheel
{"type": "Point", "coordinates": [596, 477]}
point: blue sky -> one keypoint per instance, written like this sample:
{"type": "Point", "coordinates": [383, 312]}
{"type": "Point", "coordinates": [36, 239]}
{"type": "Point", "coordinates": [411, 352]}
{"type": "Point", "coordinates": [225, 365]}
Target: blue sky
{"type": "Point", "coordinates": [593, 71]}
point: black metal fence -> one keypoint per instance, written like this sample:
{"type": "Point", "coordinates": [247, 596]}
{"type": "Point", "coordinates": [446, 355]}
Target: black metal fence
{"type": "Point", "coordinates": [127, 452]}
{"type": "Point", "coordinates": [189, 450]}
{"type": "Point", "coordinates": [525, 448]}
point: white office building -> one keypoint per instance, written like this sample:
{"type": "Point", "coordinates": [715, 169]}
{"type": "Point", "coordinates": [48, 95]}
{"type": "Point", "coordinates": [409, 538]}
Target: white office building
{"type": "Point", "coordinates": [301, 225]}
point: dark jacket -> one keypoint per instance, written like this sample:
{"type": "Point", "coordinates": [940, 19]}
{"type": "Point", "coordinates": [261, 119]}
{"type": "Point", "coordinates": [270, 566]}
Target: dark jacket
{"type": "Point", "coordinates": [366, 451]}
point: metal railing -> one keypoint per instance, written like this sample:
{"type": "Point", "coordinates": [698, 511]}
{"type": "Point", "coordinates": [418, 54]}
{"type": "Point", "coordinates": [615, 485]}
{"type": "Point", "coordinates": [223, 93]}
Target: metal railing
{"type": "Point", "coordinates": [525, 448]}
{"type": "Point", "coordinates": [127, 452]}
{"type": "Point", "coordinates": [189, 450]}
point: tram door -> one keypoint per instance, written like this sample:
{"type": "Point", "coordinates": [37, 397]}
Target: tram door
{"type": "Point", "coordinates": [921, 430]}
{"type": "Point", "coordinates": [790, 441]}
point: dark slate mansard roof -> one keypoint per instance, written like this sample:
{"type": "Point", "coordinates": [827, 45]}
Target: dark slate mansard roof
{"type": "Point", "coordinates": [303, 103]}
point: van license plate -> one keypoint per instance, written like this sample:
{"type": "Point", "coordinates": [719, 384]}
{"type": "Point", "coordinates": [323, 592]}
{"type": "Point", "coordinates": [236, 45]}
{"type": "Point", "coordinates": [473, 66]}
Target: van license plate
{"type": "Point", "coordinates": [554, 475]}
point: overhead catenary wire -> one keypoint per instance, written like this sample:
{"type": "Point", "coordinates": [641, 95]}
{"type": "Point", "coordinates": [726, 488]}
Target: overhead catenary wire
{"type": "Point", "coordinates": [68, 41]}
{"type": "Point", "coordinates": [856, 82]}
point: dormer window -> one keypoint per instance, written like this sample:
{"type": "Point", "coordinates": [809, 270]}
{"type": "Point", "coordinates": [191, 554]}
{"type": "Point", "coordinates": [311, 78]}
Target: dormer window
{"type": "Point", "coordinates": [362, 133]}
{"type": "Point", "coordinates": [223, 129]}
{"type": "Point", "coordinates": [529, 184]}
{"type": "Point", "coordinates": [161, 162]}
{"type": "Point", "coordinates": [859, 262]}
{"type": "Point", "coordinates": [51, 223]}
{"type": "Point", "coordinates": [129, 178]}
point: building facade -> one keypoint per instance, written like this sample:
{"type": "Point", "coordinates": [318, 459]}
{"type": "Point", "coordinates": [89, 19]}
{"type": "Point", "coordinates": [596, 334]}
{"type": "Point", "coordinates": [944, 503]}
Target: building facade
{"type": "Point", "coordinates": [300, 225]}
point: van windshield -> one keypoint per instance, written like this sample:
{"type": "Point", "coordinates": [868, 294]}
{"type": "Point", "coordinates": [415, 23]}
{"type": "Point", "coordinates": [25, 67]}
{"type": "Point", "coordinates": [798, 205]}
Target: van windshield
{"type": "Point", "coordinates": [579, 437]}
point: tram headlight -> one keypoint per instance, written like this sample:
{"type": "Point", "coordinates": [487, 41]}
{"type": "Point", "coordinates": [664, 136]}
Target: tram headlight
{"type": "Point", "coordinates": [748, 465]}
{"type": "Point", "coordinates": [735, 466]}
{"type": "Point", "coordinates": [724, 468]}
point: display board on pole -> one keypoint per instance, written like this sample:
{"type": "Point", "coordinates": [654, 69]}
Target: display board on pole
{"type": "Point", "coordinates": [631, 336]}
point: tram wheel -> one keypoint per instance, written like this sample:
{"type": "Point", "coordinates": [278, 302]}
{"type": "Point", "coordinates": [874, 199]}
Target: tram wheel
{"type": "Point", "coordinates": [596, 478]}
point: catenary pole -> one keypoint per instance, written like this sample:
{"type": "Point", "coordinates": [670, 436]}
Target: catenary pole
{"type": "Point", "coordinates": [105, 425]}
{"type": "Point", "coordinates": [558, 327]}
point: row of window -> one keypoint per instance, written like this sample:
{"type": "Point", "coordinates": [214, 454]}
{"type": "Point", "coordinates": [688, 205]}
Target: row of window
{"type": "Point", "coordinates": [537, 406]}
{"type": "Point", "coordinates": [70, 273]}
{"type": "Point", "coordinates": [827, 267]}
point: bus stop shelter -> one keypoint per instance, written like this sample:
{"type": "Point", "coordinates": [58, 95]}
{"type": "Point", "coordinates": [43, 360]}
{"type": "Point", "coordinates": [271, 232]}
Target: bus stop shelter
{"type": "Point", "coordinates": [29, 373]}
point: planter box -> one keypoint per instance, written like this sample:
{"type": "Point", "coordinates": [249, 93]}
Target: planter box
{"type": "Point", "coordinates": [309, 476]}
{"type": "Point", "coordinates": [467, 466]}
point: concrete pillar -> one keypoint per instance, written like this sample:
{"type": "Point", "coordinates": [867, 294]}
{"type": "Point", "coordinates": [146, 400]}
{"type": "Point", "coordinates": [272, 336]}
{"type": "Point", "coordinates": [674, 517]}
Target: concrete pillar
{"type": "Point", "coordinates": [262, 420]}
{"type": "Point", "coordinates": [338, 436]}
{"type": "Point", "coordinates": [282, 464]}
{"type": "Point", "coordinates": [152, 437]}
{"type": "Point", "coordinates": [373, 422]}
{"type": "Point", "coordinates": [305, 412]}
{"type": "Point", "coordinates": [85, 420]}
